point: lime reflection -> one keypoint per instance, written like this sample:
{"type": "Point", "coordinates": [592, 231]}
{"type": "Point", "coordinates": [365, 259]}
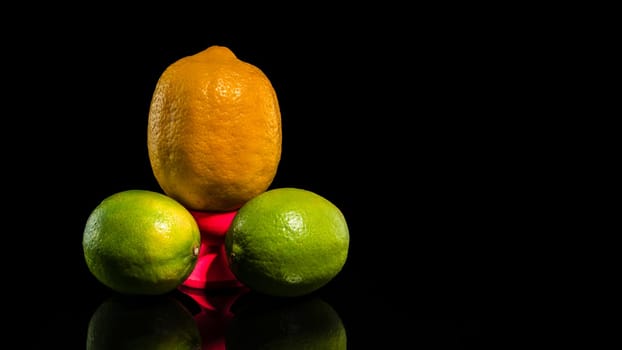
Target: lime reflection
{"type": "Point", "coordinates": [285, 323]}
{"type": "Point", "coordinates": [145, 322]}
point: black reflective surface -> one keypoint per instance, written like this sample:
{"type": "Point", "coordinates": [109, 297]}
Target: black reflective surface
{"type": "Point", "coordinates": [336, 317]}
{"type": "Point", "coordinates": [384, 122]}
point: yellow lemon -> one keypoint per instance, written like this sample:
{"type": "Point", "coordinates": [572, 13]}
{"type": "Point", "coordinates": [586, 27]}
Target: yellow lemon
{"type": "Point", "coordinates": [214, 131]}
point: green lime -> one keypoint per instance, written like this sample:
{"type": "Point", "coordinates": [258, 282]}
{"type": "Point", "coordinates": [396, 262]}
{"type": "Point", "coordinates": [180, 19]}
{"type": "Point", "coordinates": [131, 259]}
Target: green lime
{"type": "Point", "coordinates": [141, 242]}
{"type": "Point", "coordinates": [287, 242]}
{"type": "Point", "coordinates": [291, 323]}
{"type": "Point", "coordinates": [146, 322]}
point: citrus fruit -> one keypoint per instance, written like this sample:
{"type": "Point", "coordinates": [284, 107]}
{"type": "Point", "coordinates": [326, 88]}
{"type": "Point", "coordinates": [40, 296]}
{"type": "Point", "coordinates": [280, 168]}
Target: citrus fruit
{"type": "Point", "coordinates": [214, 131]}
{"type": "Point", "coordinates": [141, 242]}
{"type": "Point", "coordinates": [160, 322]}
{"type": "Point", "coordinates": [287, 242]}
{"type": "Point", "coordinates": [301, 323]}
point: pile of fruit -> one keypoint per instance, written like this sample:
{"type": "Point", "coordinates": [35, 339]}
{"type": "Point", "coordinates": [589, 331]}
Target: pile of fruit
{"type": "Point", "coordinates": [214, 140]}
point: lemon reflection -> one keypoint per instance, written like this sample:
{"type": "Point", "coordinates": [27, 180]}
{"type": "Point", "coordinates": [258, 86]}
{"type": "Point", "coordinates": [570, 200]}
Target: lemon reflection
{"type": "Point", "coordinates": [161, 322]}
{"type": "Point", "coordinates": [283, 323]}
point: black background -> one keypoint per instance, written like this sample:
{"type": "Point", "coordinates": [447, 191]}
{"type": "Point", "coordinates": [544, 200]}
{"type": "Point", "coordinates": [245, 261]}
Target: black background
{"type": "Point", "coordinates": [387, 118]}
